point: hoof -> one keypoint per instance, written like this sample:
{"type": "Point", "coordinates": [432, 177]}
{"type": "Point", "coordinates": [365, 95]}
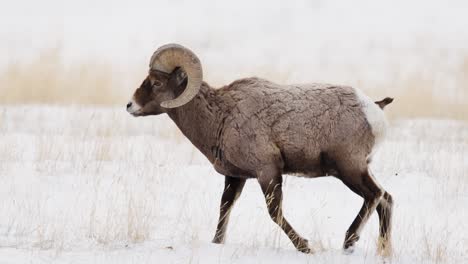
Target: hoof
{"type": "Point", "coordinates": [348, 250]}
{"type": "Point", "coordinates": [349, 243]}
{"type": "Point", "coordinates": [384, 248]}
{"type": "Point", "coordinates": [305, 248]}
{"type": "Point", "coordinates": [217, 240]}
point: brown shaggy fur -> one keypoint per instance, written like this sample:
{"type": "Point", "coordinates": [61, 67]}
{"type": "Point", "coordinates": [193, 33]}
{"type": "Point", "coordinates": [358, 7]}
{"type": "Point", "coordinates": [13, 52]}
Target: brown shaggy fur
{"type": "Point", "coordinates": [253, 128]}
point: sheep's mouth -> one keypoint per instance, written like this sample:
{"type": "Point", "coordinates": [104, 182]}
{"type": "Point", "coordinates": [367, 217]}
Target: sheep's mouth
{"type": "Point", "coordinates": [139, 113]}
{"type": "Point", "coordinates": [136, 114]}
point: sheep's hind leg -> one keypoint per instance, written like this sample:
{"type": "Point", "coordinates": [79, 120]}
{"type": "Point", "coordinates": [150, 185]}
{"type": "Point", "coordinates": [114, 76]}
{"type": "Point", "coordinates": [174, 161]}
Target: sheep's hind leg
{"type": "Point", "coordinates": [384, 210]}
{"type": "Point", "coordinates": [232, 189]}
{"type": "Point", "coordinates": [364, 185]}
{"type": "Point", "coordinates": [270, 180]}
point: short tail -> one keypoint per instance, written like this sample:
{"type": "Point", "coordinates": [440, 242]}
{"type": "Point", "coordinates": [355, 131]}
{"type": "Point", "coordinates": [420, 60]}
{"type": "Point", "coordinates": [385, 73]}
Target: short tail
{"type": "Point", "coordinates": [384, 102]}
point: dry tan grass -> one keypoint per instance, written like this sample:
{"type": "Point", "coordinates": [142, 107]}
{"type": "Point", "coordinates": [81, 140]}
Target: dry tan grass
{"type": "Point", "coordinates": [46, 80]}
{"type": "Point", "coordinates": [416, 97]}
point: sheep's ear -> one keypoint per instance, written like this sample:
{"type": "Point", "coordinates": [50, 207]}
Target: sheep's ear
{"type": "Point", "coordinates": [179, 78]}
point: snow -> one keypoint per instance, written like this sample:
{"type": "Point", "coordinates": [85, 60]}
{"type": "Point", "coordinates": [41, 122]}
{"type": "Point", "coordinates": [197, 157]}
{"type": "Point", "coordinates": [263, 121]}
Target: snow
{"type": "Point", "coordinates": [95, 185]}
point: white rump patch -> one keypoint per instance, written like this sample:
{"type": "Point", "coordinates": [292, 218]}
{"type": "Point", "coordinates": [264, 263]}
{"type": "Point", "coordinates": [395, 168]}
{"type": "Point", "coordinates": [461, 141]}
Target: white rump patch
{"type": "Point", "coordinates": [375, 117]}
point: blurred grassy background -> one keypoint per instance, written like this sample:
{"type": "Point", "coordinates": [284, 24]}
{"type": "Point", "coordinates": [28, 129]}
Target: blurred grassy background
{"type": "Point", "coordinates": [47, 79]}
{"type": "Point", "coordinates": [96, 53]}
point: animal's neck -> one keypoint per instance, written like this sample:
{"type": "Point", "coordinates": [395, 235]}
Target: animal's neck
{"type": "Point", "coordinates": [198, 120]}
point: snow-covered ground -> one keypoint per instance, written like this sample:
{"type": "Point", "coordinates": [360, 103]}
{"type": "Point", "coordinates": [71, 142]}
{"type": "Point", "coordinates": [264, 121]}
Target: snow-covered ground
{"type": "Point", "coordinates": [95, 185]}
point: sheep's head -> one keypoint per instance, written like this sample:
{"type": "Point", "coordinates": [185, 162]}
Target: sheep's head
{"type": "Point", "coordinates": [174, 79]}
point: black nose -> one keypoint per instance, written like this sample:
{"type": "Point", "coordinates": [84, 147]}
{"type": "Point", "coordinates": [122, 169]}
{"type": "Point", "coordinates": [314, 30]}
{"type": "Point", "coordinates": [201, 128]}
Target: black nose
{"type": "Point", "coordinates": [129, 105]}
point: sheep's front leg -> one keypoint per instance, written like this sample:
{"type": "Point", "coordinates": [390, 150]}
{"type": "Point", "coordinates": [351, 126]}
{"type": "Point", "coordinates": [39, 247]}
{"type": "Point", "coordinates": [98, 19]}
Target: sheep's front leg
{"type": "Point", "coordinates": [232, 189]}
{"type": "Point", "coordinates": [271, 183]}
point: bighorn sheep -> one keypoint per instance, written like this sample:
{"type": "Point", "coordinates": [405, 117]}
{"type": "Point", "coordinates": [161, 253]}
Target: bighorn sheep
{"type": "Point", "coordinates": [253, 128]}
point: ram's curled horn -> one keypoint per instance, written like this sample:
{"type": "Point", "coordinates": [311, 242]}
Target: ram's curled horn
{"type": "Point", "coordinates": [170, 56]}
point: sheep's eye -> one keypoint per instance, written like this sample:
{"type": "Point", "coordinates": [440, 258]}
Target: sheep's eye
{"type": "Point", "coordinates": [157, 84]}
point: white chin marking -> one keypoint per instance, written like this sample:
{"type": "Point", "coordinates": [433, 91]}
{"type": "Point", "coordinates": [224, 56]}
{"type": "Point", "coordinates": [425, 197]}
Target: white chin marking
{"type": "Point", "coordinates": [375, 117]}
{"type": "Point", "coordinates": [134, 108]}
